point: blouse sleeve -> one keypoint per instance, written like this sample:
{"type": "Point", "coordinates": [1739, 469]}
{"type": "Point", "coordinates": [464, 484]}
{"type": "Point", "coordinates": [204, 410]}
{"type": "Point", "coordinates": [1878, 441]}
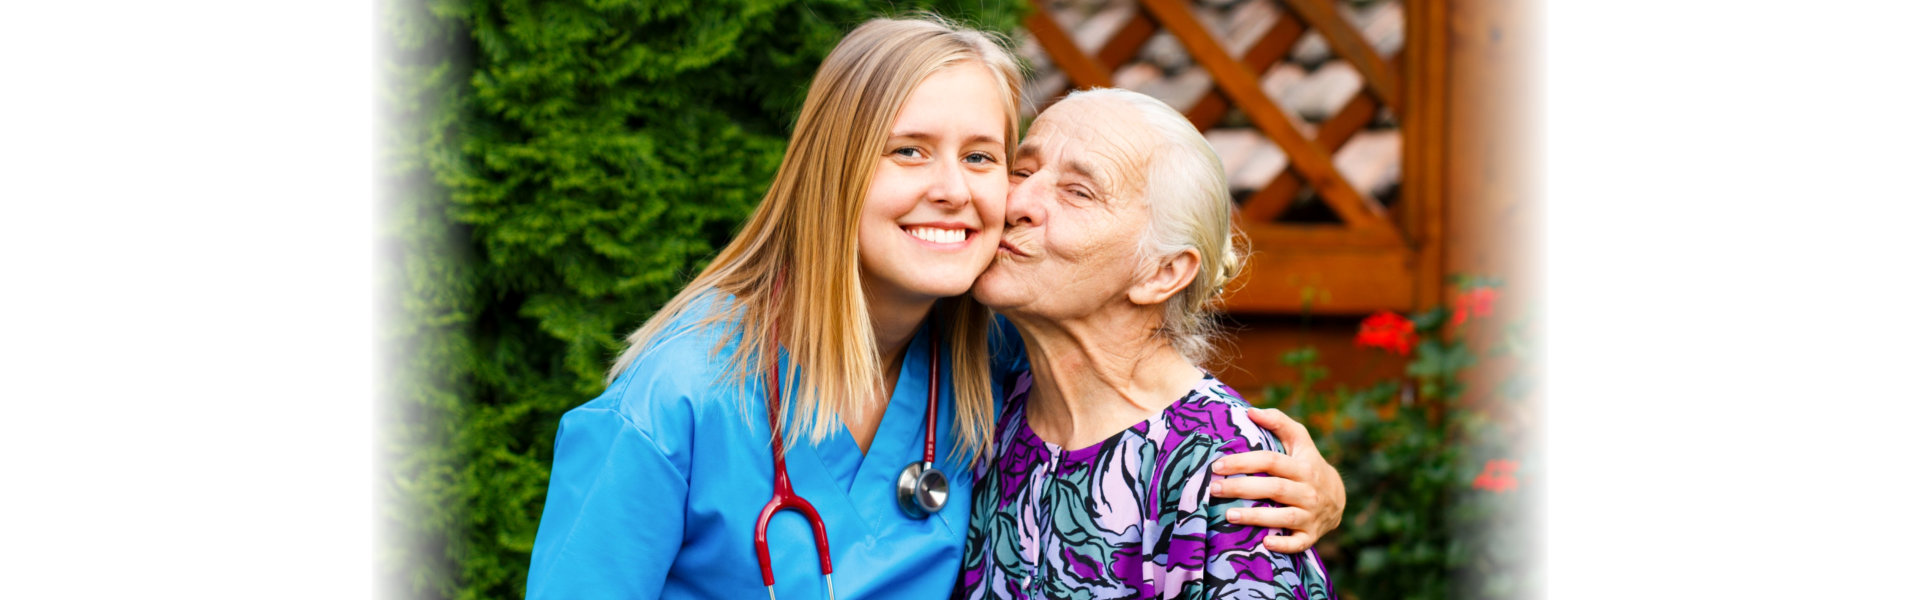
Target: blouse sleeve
{"type": "Point", "coordinates": [1238, 565]}
{"type": "Point", "coordinates": [613, 518]}
{"type": "Point", "coordinates": [1233, 561]}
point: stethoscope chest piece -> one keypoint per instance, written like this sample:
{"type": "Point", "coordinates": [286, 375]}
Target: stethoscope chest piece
{"type": "Point", "coordinates": [922, 490]}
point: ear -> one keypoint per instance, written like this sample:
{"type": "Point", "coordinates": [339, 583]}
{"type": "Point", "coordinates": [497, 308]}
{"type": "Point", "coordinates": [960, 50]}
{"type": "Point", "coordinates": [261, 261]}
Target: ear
{"type": "Point", "coordinates": [1173, 274]}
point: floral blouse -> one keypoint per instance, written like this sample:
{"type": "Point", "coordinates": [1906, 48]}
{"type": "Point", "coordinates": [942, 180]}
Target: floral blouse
{"type": "Point", "coordinates": [1127, 518]}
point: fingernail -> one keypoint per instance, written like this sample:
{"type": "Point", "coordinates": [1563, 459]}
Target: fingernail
{"type": "Point", "coordinates": [1213, 489]}
{"type": "Point", "coordinates": [1218, 468]}
{"type": "Point", "coordinates": [1233, 515]}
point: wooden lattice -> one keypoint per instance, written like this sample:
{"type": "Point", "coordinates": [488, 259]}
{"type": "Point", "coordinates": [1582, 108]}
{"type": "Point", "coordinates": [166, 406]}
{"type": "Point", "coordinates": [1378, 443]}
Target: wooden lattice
{"type": "Point", "coordinates": [1370, 257]}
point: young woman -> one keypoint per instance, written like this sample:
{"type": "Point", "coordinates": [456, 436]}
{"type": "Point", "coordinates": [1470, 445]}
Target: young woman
{"type": "Point", "coordinates": [769, 416]}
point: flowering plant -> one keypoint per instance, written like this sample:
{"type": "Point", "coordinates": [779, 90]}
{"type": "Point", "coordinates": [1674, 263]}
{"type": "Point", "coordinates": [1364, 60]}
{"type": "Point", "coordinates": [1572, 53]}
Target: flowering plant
{"type": "Point", "coordinates": [1388, 331]}
{"type": "Point", "coordinates": [1435, 486]}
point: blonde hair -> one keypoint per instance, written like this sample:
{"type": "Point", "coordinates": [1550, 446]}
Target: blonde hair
{"type": "Point", "coordinates": [1186, 192]}
{"type": "Point", "coordinates": [806, 230]}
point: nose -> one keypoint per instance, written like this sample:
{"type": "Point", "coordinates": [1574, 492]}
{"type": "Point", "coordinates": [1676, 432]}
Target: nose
{"type": "Point", "coordinates": [1025, 205]}
{"type": "Point", "coordinates": [949, 185]}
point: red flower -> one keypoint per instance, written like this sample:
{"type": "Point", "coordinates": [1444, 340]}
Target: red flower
{"type": "Point", "coordinates": [1497, 476]}
{"type": "Point", "coordinates": [1387, 331]}
{"type": "Point", "coordinates": [1475, 302]}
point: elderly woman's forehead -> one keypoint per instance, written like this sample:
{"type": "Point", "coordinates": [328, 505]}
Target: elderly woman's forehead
{"type": "Point", "coordinates": [1103, 128]}
{"type": "Point", "coordinates": [1093, 120]}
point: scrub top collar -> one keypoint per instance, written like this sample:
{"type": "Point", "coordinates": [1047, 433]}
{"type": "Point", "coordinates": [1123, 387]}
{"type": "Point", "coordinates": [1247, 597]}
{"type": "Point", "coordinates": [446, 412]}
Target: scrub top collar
{"type": "Point", "coordinates": [866, 482]}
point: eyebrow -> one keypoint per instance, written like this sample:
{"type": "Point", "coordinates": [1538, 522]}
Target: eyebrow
{"type": "Point", "coordinates": [1077, 167]}
{"type": "Point", "coordinates": [918, 135]}
{"type": "Point", "coordinates": [1086, 170]}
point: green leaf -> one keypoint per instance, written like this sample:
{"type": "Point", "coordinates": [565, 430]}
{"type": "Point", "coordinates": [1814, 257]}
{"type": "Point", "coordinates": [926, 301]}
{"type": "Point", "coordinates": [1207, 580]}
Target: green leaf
{"type": "Point", "coordinates": [1429, 321]}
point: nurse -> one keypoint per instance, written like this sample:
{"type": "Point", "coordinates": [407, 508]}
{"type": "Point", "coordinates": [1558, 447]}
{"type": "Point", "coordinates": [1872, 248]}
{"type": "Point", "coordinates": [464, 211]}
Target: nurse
{"type": "Point", "coordinates": [849, 281]}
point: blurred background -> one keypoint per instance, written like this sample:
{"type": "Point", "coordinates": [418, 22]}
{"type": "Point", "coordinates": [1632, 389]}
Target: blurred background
{"type": "Point", "coordinates": [554, 171]}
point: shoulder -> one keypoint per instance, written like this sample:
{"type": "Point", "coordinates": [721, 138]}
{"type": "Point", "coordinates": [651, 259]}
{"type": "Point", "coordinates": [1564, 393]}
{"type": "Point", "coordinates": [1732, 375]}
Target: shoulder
{"type": "Point", "coordinates": [1006, 349]}
{"type": "Point", "coordinates": [1008, 421]}
{"type": "Point", "coordinates": [1209, 422]}
{"type": "Point", "coordinates": [678, 375]}
{"type": "Point", "coordinates": [1211, 419]}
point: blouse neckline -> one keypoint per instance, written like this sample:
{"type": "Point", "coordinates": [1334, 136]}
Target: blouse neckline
{"type": "Point", "coordinates": [1093, 451]}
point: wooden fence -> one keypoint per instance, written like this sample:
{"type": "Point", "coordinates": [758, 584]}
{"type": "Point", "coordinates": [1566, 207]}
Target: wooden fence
{"type": "Point", "coordinates": [1363, 254]}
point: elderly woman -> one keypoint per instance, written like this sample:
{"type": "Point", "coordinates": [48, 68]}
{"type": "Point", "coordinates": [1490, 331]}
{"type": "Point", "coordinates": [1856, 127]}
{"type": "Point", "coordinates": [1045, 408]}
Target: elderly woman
{"type": "Point", "coordinates": [1098, 480]}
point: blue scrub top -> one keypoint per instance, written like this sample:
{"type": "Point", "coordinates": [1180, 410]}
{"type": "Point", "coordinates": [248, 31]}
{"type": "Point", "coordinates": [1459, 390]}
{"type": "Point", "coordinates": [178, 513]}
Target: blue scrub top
{"type": "Point", "coordinates": [657, 484]}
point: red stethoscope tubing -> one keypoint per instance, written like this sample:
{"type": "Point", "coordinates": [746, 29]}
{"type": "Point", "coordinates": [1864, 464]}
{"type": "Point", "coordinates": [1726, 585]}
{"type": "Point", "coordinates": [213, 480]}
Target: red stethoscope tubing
{"type": "Point", "coordinates": [933, 389]}
{"type": "Point", "coordinates": [783, 496]}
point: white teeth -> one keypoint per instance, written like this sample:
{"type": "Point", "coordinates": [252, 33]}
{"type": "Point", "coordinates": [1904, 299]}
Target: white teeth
{"type": "Point", "coordinates": [937, 235]}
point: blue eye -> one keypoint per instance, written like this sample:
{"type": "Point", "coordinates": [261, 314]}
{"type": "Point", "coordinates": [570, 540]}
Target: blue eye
{"type": "Point", "coordinates": [980, 158]}
{"type": "Point", "coordinates": [908, 152]}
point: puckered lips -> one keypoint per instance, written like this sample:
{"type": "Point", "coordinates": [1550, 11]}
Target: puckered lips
{"type": "Point", "coordinates": [1010, 249]}
{"type": "Point", "coordinates": [941, 236]}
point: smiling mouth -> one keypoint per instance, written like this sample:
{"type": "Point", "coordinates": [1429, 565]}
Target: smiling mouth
{"type": "Point", "coordinates": [1009, 248]}
{"type": "Point", "coordinates": [939, 235]}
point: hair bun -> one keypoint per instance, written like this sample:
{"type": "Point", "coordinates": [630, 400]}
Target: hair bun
{"type": "Point", "coordinates": [1231, 261]}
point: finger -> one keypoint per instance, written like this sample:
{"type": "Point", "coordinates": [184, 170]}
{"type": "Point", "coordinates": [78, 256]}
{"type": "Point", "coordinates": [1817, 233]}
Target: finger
{"type": "Point", "coordinates": [1268, 418]}
{"type": "Point", "coordinates": [1297, 542]}
{"type": "Point", "coordinates": [1276, 518]}
{"type": "Point", "coordinates": [1280, 491]}
{"type": "Point", "coordinates": [1263, 461]}
{"type": "Point", "coordinates": [1292, 435]}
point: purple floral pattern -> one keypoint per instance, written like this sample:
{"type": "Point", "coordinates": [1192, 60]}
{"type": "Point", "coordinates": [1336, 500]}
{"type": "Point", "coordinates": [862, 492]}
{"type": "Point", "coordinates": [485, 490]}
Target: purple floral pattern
{"type": "Point", "coordinates": [1127, 518]}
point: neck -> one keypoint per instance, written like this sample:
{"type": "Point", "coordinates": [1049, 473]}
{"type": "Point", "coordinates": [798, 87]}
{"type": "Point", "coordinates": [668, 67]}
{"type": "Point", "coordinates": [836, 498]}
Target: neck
{"type": "Point", "coordinates": [894, 323]}
{"type": "Point", "coordinates": [1096, 376]}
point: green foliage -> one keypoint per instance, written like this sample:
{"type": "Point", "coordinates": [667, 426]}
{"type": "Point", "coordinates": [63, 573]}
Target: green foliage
{"type": "Point", "coordinates": [1425, 519]}
{"type": "Point", "coordinates": [556, 171]}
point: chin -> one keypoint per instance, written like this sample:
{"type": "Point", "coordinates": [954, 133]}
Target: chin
{"type": "Point", "coordinates": [993, 293]}
{"type": "Point", "coordinates": [945, 287]}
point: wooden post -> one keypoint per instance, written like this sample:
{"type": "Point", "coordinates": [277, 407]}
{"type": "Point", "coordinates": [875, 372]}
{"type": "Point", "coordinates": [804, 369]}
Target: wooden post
{"type": "Point", "coordinates": [1424, 175]}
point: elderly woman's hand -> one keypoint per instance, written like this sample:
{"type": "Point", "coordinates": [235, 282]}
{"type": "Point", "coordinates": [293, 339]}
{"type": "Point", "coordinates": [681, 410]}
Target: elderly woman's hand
{"type": "Point", "coordinates": [1312, 492]}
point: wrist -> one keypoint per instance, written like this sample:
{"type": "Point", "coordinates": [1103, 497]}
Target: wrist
{"type": "Point", "coordinates": [1336, 492]}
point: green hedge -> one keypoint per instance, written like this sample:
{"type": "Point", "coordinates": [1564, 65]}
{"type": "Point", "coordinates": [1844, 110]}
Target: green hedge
{"type": "Point", "coordinates": [555, 172]}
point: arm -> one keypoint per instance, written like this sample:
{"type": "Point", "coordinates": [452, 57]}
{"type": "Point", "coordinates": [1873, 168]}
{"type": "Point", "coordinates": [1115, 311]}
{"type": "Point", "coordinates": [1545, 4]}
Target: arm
{"type": "Point", "coordinates": [1309, 492]}
{"type": "Point", "coordinates": [613, 518]}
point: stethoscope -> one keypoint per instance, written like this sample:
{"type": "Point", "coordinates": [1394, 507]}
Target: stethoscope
{"type": "Point", "coordinates": [921, 489]}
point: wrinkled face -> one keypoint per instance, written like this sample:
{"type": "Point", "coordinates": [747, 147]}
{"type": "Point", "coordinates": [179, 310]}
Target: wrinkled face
{"type": "Point", "coordinates": [934, 211]}
{"type": "Point", "coordinates": [1075, 215]}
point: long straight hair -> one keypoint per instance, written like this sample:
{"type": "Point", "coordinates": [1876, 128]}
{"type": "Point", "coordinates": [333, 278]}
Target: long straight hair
{"type": "Point", "coordinates": [805, 234]}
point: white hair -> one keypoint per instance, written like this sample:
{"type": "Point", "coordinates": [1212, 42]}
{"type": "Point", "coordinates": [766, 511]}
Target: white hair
{"type": "Point", "coordinates": [1186, 192]}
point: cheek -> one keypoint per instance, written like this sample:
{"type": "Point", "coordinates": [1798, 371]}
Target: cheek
{"type": "Point", "coordinates": [991, 197]}
{"type": "Point", "coordinates": [889, 195]}
{"type": "Point", "coordinates": [988, 187]}
{"type": "Point", "coordinates": [1084, 237]}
